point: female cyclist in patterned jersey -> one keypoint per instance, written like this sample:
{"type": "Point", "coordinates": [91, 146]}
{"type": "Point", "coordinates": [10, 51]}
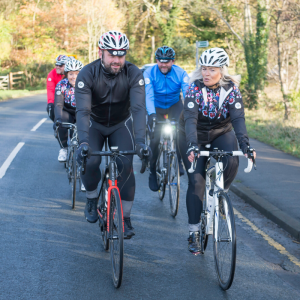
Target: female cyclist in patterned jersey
{"type": "Point", "coordinates": [65, 103]}
{"type": "Point", "coordinates": [213, 106]}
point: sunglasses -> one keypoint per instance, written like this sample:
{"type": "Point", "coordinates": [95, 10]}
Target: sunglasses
{"type": "Point", "coordinates": [60, 66]}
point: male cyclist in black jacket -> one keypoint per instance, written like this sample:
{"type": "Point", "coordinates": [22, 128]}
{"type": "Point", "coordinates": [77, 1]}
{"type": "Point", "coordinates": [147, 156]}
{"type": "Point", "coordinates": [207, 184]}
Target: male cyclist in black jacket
{"type": "Point", "coordinates": [110, 95]}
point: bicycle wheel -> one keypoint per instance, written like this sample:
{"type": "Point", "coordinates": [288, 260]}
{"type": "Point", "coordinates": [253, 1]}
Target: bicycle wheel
{"type": "Point", "coordinates": [159, 174]}
{"type": "Point", "coordinates": [203, 235]}
{"type": "Point", "coordinates": [102, 213]}
{"type": "Point", "coordinates": [174, 184]}
{"type": "Point", "coordinates": [73, 177]}
{"type": "Point", "coordinates": [224, 241]}
{"type": "Point", "coordinates": [116, 235]}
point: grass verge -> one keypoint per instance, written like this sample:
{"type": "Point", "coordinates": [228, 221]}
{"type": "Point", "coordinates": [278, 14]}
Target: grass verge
{"type": "Point", "coordinates": [11, 94]}
{"type": "Point", "coordinates": [269, 127]}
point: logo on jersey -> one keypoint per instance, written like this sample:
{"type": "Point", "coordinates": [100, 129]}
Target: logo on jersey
{"type": "Point", "coordinates": [49, 79]}
{"type": "Point", "coordinates": [141, 82]}
{"type": "Point", "coordinates": [186, 79]}
{"type": "Point", "coordinates": [191, 105]}
{"type": "Point", "coordinates": [58, 93]}
{"type": "Point", "coordinates": [80, 84]}
{"type": "Point", "coordinates": [238, 105]}
{"type": "Point", "coordinates": [147, 80]}
{"type": "Point", "coordinates": [115, 53]}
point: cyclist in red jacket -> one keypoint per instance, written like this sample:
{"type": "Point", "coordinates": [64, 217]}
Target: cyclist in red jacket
{"type": "Point", "coordinates": [53, 78]}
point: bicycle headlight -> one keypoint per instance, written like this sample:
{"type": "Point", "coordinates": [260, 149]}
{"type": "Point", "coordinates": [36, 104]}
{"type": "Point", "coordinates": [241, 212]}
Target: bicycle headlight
{"type": "Point", "coordinates": [167, 129]}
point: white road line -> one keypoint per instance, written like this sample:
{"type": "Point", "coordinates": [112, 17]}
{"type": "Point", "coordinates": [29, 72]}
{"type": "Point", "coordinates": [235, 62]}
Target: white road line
{"type": "Point", "coordinates": [10, 158]}
{"type": "Point", "coordinates": [38, 124]}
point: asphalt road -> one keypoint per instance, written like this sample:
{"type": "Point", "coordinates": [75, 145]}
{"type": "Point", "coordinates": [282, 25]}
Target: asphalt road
{"type": "Point", "coordinates": [49, 251]}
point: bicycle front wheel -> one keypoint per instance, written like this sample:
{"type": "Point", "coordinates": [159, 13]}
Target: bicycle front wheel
{"type": "Point", "coordinates": [74, 173]}
{"type": "Point", "coordinates": [116, 237]}
{"type": "Point", "coordinates": [102, 212]}
{"type": "Point", "coordinates": [160, 174]}
{"type": "Point", "coordinates": [174, 184]}
{"type": "Point", "coordinates": [224, 241]}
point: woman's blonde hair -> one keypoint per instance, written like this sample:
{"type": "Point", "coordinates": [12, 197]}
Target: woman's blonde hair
{"type": "Point", "coordinates": [225, 79]}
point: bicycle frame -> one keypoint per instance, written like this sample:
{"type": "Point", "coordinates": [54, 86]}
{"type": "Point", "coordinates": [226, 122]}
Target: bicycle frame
{"type": "Point", "coordinates": [212, 203]}
{"type": "Point", "coordinates": [168, 134]}
{"type": "Point", "coordinates": [212, 207]}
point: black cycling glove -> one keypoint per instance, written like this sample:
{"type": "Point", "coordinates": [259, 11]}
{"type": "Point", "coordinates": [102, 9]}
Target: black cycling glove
{"type": "Point", "coordinates": [150, 120]}
{"type": "Point", "coordinates": [192, 148]}
{"type": "Point", "coordinates": [50, 111]}
{"type": "Point", "coordinates": [143, 151]}
{"type": "Point", "coordinates": [56, 124]}
{"type": "Point", "coordinates": [79, 154]}
{"type": "Point", "coordinates": [249, 151]}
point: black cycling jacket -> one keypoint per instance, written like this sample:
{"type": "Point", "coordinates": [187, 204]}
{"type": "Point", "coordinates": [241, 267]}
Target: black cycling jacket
{"type": "Point", "coordinates": [202, 126]}
{"type": "Point", "coordinates": [109, 99]}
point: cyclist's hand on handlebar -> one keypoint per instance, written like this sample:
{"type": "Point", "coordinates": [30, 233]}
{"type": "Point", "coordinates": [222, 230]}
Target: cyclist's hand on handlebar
{"type": "Point", "coordinates": [84, 150]}
{"type": "Point", "coordinates": [250, 153]}
{"type": "Point", "coordinates": [143, 151]}
{"type": "Point", "coordinates": [57, 124]}
{"type": "Point", "coordinates": [191, 152]}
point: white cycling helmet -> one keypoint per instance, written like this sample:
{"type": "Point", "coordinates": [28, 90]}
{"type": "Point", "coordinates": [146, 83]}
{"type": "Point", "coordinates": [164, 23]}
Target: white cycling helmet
{"type": "Point", "coordinates": [214, 57]}
{"type": "Point", "coordinates": [115, 42]}
{"type": "Point", "coordinates": [73, 65]}
{"type": "Point", "coordinates": [61, 60]}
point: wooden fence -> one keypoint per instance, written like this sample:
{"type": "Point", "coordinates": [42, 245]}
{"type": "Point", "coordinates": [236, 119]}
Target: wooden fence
{"type": "Point", "coordinates": [4, 82]}
{"type": "Point", "coordinates": [9, 81]}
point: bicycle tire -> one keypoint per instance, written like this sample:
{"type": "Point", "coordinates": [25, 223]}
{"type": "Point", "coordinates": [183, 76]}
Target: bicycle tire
{"type": "Point", "coordinates": [203, 236]}
{"type": "Point", "coordinates": [174, 184]}
{"type": "Point", "coordinates": [116, 234]}
{"type": "Point", "coordinates": [74, 173]}
{"type": "Point", "coordinates": [102, 223]}
{"type": "Point", "coordinates": [225, 265]}
{"type": "Point", "coordinates": [161, 184]}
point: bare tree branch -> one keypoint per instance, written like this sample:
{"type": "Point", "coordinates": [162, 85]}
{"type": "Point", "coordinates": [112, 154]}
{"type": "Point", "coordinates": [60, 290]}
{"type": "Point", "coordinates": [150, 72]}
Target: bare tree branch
{"type": "Point", "coordinates": [228, 25]}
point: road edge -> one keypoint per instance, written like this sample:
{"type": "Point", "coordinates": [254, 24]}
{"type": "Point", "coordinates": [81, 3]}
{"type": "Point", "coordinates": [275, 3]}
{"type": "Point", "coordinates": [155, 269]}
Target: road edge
{"type": "Point", "coordinates": [31, 93]}
{"type": "Point", "coordinates": [288, 223]}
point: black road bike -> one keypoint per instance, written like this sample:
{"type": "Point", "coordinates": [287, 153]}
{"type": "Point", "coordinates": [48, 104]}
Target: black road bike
{"type": "Point", "coordinates": [110, 212]}
{"type": "Point", "coordinates": [71, 165]}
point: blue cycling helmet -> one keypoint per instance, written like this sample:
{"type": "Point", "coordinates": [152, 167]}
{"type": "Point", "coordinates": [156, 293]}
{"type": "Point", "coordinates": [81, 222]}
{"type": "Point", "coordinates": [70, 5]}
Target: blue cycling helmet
{"type": "Point", "coordinates": [164, 54]}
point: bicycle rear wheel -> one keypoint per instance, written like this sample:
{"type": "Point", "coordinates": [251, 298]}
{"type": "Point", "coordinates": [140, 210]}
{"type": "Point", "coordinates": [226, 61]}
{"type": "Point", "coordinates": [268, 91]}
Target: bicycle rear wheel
{"type": "Point", "coordinates": [174, 184]}
{"type": "Point", "coordinates": [159, 174]}
{"type": "Point", "coordinates": [116, 234]}
{"type": "Point", "coordinates": [102, 214]}
{"type": "Point", "coordinates": [224, 241]}
{"type": "Point", "coordinates": [73, 176]}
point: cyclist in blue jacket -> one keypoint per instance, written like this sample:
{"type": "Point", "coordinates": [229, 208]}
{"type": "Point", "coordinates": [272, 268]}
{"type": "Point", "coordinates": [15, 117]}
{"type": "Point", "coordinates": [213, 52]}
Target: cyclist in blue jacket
{"type": "Point", "coordinates": [163, 83]}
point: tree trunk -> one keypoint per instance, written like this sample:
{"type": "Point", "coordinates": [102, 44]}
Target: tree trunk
{"type": "Point", "coordinates": [153, 48]}
{"type": "Point", "coordinates": [280, 74]}
{"type": "Point", "coordinates": [298, 60]}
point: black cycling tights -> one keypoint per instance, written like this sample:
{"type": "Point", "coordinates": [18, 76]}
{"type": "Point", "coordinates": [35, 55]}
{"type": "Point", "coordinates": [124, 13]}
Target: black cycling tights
{"type": "Point", "coordinates": [63, 132]}
{"type": "Point", "coordinates": [119, 135]}
{"type": "Point", "coordinates": [173, 112]}
{"type": "Point", "coordinates": [196, 185]}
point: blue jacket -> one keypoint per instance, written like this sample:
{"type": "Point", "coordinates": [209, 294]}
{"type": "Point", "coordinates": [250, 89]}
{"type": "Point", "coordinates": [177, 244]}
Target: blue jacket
{"type": "Point", "coordinates": [164, 90]}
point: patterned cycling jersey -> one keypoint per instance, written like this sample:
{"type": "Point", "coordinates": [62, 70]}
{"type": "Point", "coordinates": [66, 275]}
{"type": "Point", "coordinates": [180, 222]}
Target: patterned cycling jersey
{"type": "Point", "coordinates": [64, 98]}
{"type": "Point", "coordinates": [210, 113]}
